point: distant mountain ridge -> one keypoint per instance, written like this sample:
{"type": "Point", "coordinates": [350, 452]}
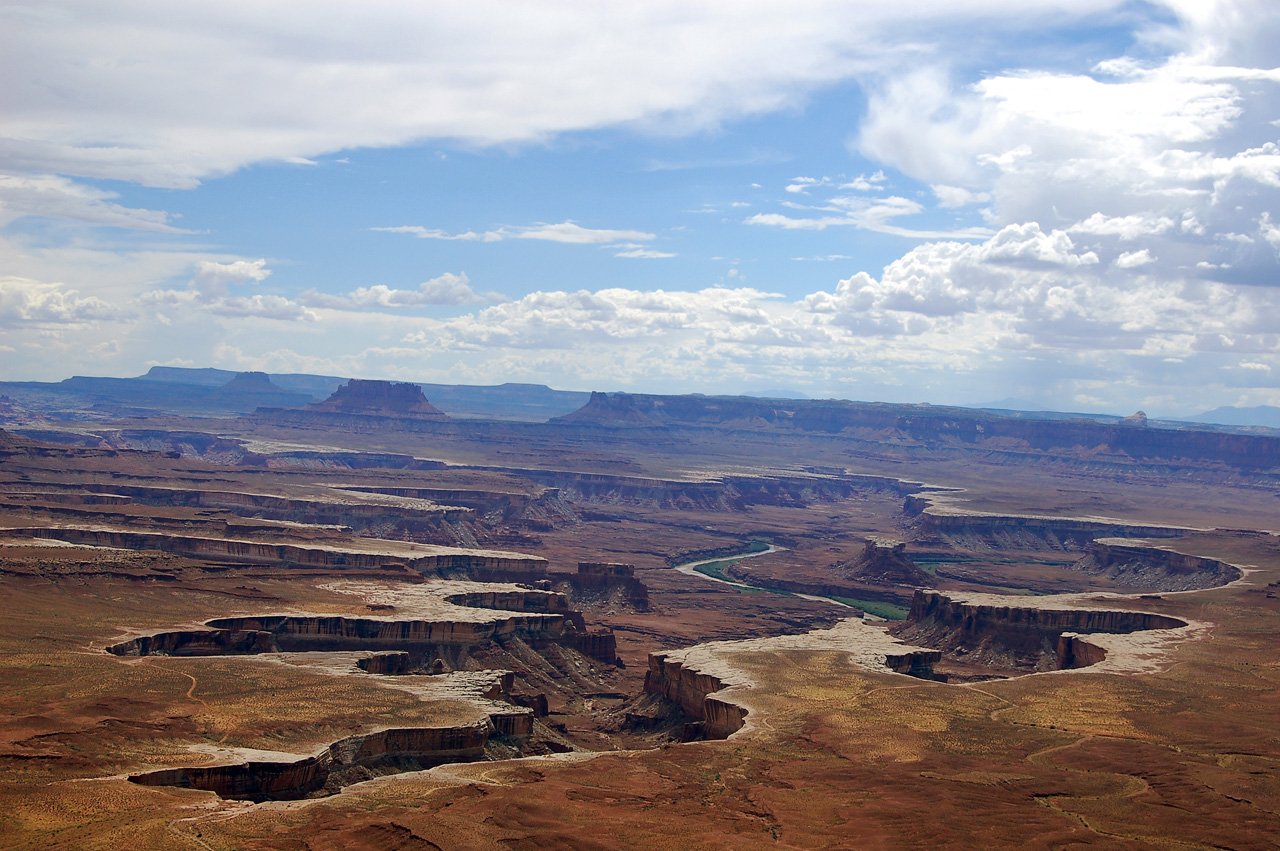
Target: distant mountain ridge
{"type": "Point", "coordinates": [927, 425]}
{"type": "Point", "coordinates": [1266, 416]}
{"type": "Point", "coordinates": [208, 391]}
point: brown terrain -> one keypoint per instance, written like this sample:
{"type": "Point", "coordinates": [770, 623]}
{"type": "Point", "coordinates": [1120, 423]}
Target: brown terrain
{"type": "Point", "coordinates": [670, 622]}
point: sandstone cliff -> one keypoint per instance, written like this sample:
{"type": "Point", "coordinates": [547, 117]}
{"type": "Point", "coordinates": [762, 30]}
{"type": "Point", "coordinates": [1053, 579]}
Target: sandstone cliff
{"type": "Point", "coordinates": [997, 634]}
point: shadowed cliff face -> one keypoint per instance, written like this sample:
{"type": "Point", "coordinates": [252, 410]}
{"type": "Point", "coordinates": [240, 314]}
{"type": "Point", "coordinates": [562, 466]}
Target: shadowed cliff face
{"type": "Point", "coordinates": [1012, 639]}
{"type": "Point", "coordinates": [543, 616]}
{"type": "Point", "coordinates": [1157, 569]}
{"type": "Point", "coordinates": [403, 749]}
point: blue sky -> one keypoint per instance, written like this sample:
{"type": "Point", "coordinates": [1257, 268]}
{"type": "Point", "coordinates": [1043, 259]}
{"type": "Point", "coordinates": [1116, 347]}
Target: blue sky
{"type": "Point", "coordinates": [1067, 203]}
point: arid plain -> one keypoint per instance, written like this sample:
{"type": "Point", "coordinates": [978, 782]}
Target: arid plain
{"type": "Point", "coordinates": [668, 622]}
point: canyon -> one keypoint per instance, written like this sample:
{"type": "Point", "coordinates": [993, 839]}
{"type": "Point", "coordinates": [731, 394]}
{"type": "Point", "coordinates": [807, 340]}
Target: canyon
{"type": "Point", "coordinates": [291, 626]}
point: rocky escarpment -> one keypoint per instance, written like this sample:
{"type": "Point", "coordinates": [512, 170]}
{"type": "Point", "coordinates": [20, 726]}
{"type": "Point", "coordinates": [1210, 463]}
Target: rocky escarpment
{"type": "Point", "coordinates": [1024, 531]}
{"type": "Point", "coordinates": [335, 508]}
{"type": "Point", "coordinates": [439, 563]}
{"type": "Point", "coordinates": [990, 632]}
{"type": "Point", "coordinates": [536, 617]}
{"type": "Point", "coordinates": [398, 749]}
{"type": "Point", "coordinates": [1121, 444]}
{"type": "Point", "coordinates": [725, 493]}
{"type": "Point", "coordinates": [1137, 566]}
{"type": "Point", "coordinates": [298, 633]}
{"type": "Point", "coordinates": [694, 691]}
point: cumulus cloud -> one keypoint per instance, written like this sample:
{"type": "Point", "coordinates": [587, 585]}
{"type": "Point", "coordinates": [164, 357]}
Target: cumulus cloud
{"type": "Point", "coordinates": [447, 289]}
{"type": "Point", "coordinates": [1167, 153]}
{"type": "Point", "coordinates": [211, 279]}
{"type": "Point", "coordinates": [948, 308]}
{"type": "Point", "coordinates": [260, 307]}
{"type": "Point", "coordinates": [209, 289]}
{"type": "Point", "coordinates": [24, 302]}
{"type": "Point", "coordinates": [1134, 259]}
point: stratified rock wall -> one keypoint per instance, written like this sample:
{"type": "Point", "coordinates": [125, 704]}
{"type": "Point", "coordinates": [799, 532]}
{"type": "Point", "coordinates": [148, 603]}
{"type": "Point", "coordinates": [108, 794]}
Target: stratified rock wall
{"type": "Point", "coordinates": [1022, 637]}
{"type": "Point", "coordinates": [259, 552]}
{"type": "Point", "coordinates": [262, 780]}
{"type": "Point", "coordinates": [607, 576]}
{"type": "Point", "coordinates": [1138, 566]}
{"type": "Point", "coordinates": [933, 426]}
{"type": "Point", "coordinates": [692, 691]}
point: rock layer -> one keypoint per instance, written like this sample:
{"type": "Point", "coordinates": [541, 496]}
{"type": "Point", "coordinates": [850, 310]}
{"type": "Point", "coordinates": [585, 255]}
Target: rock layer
{"type": "Point", "coordinates": [1021, 637]}
{"type": "Point", "coordinates": [285, 780]}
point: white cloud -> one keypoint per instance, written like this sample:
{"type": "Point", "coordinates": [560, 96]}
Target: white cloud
{"type": "Point", "coordinates": [435, 233]}
{"type": "Point", "coordinates": [869, 214]}
{"type": "Point", "coordinates": [60, 198]}
{"type": "Point", "coordinates": [209, 290]}
{"type": "Point", "coordinates": [644, 253]}
{"type": "Point", "coordinates": [447, 289]}
{"type": "Point", "coordinates": [1169, 154]}
{"type": "Point", "coordinates": [1134, 259]}
{"type": "Point", "coordinates": [261, 307]}
{"type": "Point", "coordinates": [24, 302]}
{"type": "Point", "coordinates": [1125, 227]}
{"type": "Point", "coordinates": [211, 278]}
{"type": "Point", "coordinates": [168, 96]}
{"type": "Point", "coordinates": [575, 234]}
{"type": "Point", "coordinates": [956, 196]}
{"type": "Point", "coordinates": [865, 183]}
{"type": "Point", "coordinates": [567, 232]}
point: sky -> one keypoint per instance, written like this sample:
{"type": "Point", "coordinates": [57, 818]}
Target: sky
{"type": "Point", "coordinates": [1059, 204]}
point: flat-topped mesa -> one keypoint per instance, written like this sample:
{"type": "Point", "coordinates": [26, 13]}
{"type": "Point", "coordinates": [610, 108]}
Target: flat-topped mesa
{"type": "Point", "coordinates": [379, 398]}
{"type": "Point", "coordinates": [884, 561]}
{"type": "Point", "coordinates": [603, 576]}
{"type": "Point", "coordinates": [251, 382]}
{"type": "Point", "coordinates": [1013, 637]}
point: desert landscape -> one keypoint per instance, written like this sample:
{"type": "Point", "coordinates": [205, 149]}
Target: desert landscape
{"type": "Point", "coordinates": [361, 621]}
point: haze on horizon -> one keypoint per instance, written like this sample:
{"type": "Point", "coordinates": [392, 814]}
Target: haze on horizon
{"type": "Point", "coordinates": [1068, 203]}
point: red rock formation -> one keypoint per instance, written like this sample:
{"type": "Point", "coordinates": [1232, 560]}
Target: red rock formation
{"type": "Point", "coordinates": [597, 643]}
{"type": "Point", "coordinates": [1014, 532]}
{"type": "Point", "coordinates": [522, 600]}
{"type": "Point", "coordinates": [1022, 637]}
{"type": "Point", "coordinates": [607, 576]}
{"type": "Point", "coordinates": [914, 663]}
{"type": "Point", "coordinates": [258, 552]}
{"type": "Point", "coordinates": [693, 691]}
{"type": "Point", "coordinates": [1075, 651]}
{"type": "Point", "coordinates": [264, 780]}
{"type": "Point", "coordinates": [1138, 566]}
{"type": "Point", "coordinates": [392, 663]}
{"type": "Point", "coordinates": [884, 562]}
